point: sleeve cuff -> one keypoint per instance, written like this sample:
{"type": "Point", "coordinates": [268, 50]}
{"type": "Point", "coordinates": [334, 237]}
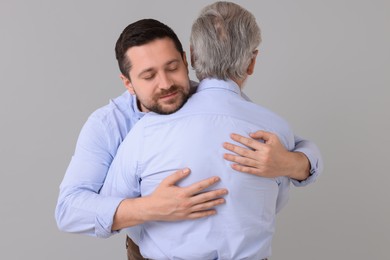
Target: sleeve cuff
{"type": "Point", "coordinates": [105, 217]}
{"type": "Point", "coordinates": [316, 166]}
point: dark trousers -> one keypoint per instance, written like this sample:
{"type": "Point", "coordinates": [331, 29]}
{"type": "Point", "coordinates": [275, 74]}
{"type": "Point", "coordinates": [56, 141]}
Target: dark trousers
{"type": "Point", "coordinates": [133, 251]}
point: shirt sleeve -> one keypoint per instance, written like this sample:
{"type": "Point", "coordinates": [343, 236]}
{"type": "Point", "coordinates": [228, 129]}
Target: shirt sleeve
{"type": "Point", "coordinates": [80, 208]}
{"type": "Point", "coordinates": [313, 154]}
{"type": "Point", "coordinates": [122, 178]}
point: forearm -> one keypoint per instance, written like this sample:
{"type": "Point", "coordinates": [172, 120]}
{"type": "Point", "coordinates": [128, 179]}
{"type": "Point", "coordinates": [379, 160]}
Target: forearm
{"type": "Point", "coordinates": [313, 155]}
{"type": "Point", "coordinates": [167, 203]}
{"type": "Point", "coordinates": [299, 166]}
{"type": "Point", "coordinates": [130, 212]}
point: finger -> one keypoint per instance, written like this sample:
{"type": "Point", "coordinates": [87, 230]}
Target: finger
{"type": "Point", "coordinates": [201, 185]}
{"type": "Point", "coordinates": [245, 169]}
{"type": "Point", "coordinates": [245, 152]}
{"type": "Point", "coordinates": [249, 142]}
{"type": "Point", "coordinates": [240, 160]}
{"type": "Point", "coordinates": [209, 197]}
{"type": "Point", "coordinates": [262, 135]}
{"type": "Point", "coordinates": [202, 214]}
{"type": "Point", "coordinates": [175, 177]}
{"type": "Point", "coordinates": [208, 205]}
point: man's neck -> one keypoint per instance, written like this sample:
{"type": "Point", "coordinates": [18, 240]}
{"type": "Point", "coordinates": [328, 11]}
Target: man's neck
{"type": "Point", "coordinates": [240, 82]}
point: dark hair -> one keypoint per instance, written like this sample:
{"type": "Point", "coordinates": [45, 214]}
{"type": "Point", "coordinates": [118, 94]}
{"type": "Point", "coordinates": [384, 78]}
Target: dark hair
{"type": "Point", "coordinates": [139, 33]}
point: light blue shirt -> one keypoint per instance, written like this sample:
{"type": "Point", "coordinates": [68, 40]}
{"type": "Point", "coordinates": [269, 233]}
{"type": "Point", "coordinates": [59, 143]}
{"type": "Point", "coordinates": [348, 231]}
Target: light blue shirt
{"type": "Point", "coordinates": [80, 207]}
{"type": "Point", "coordinates": [192, 137]}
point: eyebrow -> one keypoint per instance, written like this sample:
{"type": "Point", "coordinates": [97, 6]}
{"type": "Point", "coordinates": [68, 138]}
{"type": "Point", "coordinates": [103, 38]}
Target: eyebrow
{"type": "Point", "coordinates": [152, 69]}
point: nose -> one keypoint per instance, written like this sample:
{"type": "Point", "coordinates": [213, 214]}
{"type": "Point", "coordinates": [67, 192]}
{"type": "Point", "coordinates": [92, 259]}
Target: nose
{"type": "Point", "coordinates": [165, 81]}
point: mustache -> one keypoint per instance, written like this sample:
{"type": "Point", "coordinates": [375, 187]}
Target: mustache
{"type": "Point", "coordinates": [169, 91]}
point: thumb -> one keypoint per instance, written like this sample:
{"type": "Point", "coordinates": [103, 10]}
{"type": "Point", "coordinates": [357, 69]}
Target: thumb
{"type": "Point", "coordinates": [176, 176]}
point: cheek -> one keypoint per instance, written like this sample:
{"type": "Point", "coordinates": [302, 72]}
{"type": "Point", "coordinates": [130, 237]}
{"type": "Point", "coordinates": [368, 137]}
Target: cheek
{"type": "Point", "coordinates": [143, 88]}
{"type": "Point", "coordinates": [182, 80]}
{"type": "Point", "coordinates": [145, 93]}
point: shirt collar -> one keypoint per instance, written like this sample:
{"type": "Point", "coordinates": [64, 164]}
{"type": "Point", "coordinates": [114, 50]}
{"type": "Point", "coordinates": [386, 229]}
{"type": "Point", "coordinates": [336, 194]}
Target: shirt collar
{"type": "Point", "coordinates": [213, 83]}
{"type": "Point", "coordinates": [135, 108]}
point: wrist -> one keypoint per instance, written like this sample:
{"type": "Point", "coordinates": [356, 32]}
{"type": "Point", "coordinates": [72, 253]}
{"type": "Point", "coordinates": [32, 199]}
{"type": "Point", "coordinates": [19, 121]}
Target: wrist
{"type": "Point", "coordinates": [300, 168]}
{"type": "Point", "coordinates": [129, 213]}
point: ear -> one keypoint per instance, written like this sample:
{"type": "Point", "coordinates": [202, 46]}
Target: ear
{"type": "Point", "coordinates": [251, 67]}
{"type": "Point", "coordinates": [192, 56]}
{"type": "Point", "coordinates": [184, 57]}
{"type": "Point", "coordinates": [127, 83]}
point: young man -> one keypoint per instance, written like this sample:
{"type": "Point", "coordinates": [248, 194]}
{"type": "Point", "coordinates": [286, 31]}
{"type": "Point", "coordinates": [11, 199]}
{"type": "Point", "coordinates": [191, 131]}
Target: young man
{"type": "Point", "coordinates": [81, 208]}
{"type": "Point", "coordinates": [224, 41]}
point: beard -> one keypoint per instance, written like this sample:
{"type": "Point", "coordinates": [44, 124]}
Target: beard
{"type": "Point", "coordinates": [171, 105]}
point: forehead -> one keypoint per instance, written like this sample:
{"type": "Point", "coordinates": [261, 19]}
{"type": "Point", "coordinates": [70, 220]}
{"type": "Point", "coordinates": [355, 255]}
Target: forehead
{"type": "Point", "coordinates": [154, 54]}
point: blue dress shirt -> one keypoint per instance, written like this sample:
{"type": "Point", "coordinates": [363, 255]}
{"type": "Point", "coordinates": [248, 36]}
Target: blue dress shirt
{"type": "Point", "coordinates": [192, 137]}
{"type": "Point", "coordinates": [80, 208]}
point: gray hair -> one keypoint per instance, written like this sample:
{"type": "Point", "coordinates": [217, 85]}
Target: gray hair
{"type": "Point", "coordinates": [223, 40]}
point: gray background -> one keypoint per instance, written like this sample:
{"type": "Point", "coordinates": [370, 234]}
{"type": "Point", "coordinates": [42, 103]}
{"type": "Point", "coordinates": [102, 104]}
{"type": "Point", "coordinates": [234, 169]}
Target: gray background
{"type": "Point", "coordinates": [324, 66]}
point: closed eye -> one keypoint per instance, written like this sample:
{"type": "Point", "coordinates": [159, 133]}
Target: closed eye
{"type": "Point", "coordinates": [148, 76]}
{"type": "Point", "coordinates": [173, 66]}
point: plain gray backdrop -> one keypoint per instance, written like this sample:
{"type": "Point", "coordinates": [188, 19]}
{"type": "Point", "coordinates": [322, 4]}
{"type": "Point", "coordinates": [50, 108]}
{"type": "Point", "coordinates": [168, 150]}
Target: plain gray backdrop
{"type": "Point", "coordinates": [323, 65]}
